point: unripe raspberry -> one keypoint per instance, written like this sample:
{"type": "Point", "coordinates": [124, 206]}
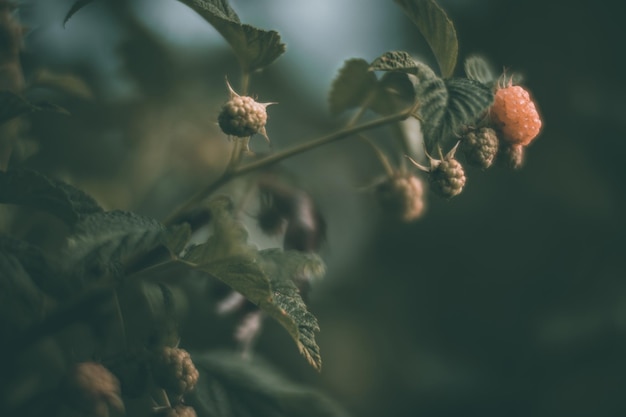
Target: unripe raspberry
{"type": "Point", "coordinates": [93, 389]}
{"type": "Point", "coordinates": [515, 114]}
{"type": "Point", "coordinates": [511, 156]}
{"type": "Point", "coordinates": [242, 116]}
{"type": "Point", "coordinates": [447, 178]}
{"type": "Point", "coordinates": [401, 196]}
{"type": "Point", "coordinates": [480, 147]}
{"type": "Point", "coordinates": [180, 411]}
{"type": "Point", "coordinates": [174, 370]}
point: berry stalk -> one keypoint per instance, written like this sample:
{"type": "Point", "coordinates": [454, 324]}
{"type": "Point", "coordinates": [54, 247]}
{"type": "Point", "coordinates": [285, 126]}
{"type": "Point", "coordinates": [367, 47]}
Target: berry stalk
{"type": "Point", "coordinates": [238, 171]}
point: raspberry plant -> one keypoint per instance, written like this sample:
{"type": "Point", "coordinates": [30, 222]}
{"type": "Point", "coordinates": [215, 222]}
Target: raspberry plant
{"type": "Point", "coordinates": [91, 323]}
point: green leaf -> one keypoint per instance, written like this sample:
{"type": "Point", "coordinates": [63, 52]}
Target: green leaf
{"type": "Point", "coordinates": [22, 303]}
{"type": "Point", "coordinates": [286, 304]}
{"type": "Point", "coordinates": [447, 106]}
{"type": "Point", "coordinates": [437, 29]}
{"type": "Point", "coordinates": [177, 237]}
{"type": "Point", "coordinates": [33, 189]}
{"type": "Point", "coordinates": [255, 48]}
{"type": "Point", "coordinates": [478, 69]}
{"type": "Point", "coordinates": [38, 267]}
{"type": "Point", "coordinates": [352, 87]}
{"type": "Point", "coordinates": [13, 105]}
{"type": "Point", "coordinates": [468, 100]}
{"type": "Point", "coordinates": [104, 242]}
{"type": "Point", "coordinates": [79, 4]}
{"type": "Point", "coordinates": [266, 278]}
{"type": "Point", "coordinates": [394, 61]}
{"type": "Point", "coordinates": [230, 386]}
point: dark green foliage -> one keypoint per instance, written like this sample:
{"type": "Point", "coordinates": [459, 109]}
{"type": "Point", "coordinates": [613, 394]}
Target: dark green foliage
{"type": "Point", "coordinates": [478, 69]}
{"type": "Point", "coordinates": [13, 105]}
{"type": "Point", "coordinates": [104, 243]}
{"type": "Point", "coordinates": [395, 61]}
{"type": "Point", "coordinates": [437, 29]}
{"type": "Point", "coordinates": [33, 189]}
{"type": "Point", "coordinates": [255, 48]}
{"type": "Point", "coordinates": [266, 278]}
{"type": "Point", "coordinates": [230, 386]}
{"type": "Point", "coordinates": [352, 86]}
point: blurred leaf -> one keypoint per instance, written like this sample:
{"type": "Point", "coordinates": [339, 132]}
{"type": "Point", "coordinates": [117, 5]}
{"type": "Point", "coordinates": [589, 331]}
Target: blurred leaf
{"type": "Point", "coordinates": [33, 189]}
{"type": "Point", "coordinates": [265, 278]}
{"type": "Point", "coordinates": [394, 61]}
{"type": "Point", "coordinates": [437, 29]}
{"type": "Point", "coordinates": [352, 86]}
{"type": "Point", "coordinates": [477, 69]}
{"type": "Point", "coordinates": [255, 48]}
{"type": "Point", "coordinates": [230, 386]}
{"type": "Point", "coordinates": [21, 302]}
{"type": "Point", "coordinates": [65, 83]}
{"type": "Point", "coordinates": [102, 243]}
{"type": "Point", "coordinates": [177, 237]}
{"type": "Point", "coordinates": [79, 4]}
{"type": "Point", "coordinates": [35, 264]}
{"type": "Point", "coordinates": [13, 105]}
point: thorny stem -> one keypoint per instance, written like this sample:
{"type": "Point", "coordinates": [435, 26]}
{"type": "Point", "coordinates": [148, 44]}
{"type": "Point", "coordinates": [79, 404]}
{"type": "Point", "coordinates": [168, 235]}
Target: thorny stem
{"type": "Point", "coordinates": [238, 171]}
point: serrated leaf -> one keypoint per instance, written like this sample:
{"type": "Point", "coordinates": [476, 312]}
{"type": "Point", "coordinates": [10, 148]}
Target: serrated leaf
{"type": "Point", "coordinates": [103, 242]}
{"type": "Point", "coordinates": [446, 106]}
{"type": "Point", "coordinates": [437, 29]}
{"type": "Point", "coordinates": [33, 189]}
{"type": "Point", "coordinates": [284, 269]}
{"type": "Point", "coordinates": [352, 86]}
{"type": "Point", "coordinates": [255, 48]}
{"type": "Point", "coordinates": [230, 386]}
{"type": "Point", "coordinates": [79, 4]}
{"type": "Point", "coordinates": [478, 69]}
{"type": "Point", "coordinates": [266, 278]}
{"type": "Point", "coordinates": [467, 102]}
{"type": "Point", "coordinates": [394, 61]}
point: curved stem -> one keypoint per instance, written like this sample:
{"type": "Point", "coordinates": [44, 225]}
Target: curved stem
{"type": "Point", "coordinates": [240, 170]}
{"type": "Point", "coordinates": [379, 153]}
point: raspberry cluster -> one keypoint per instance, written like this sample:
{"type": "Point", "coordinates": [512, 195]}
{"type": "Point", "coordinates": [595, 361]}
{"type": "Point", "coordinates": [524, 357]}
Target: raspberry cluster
{"type": "Point", "coordinates": [173, 370]}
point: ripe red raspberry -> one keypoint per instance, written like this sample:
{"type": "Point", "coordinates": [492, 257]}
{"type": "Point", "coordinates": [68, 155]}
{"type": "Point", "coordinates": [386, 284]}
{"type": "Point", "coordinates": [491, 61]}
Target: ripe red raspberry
{"type": "Point", "coordinates": [174, 371]}
{"type": "Point", "coordinates": [480, 147]}
{"type": "Point", "coordinates": [93, 389]}
{"type": "Point", "coordinates": [515, 114]}
{"type": "Point", "coordinates": [242, 116]}
{"type": "Point", "coordinates": [401, 195]}
{"type": "Point", "coordinates": [511, 156]}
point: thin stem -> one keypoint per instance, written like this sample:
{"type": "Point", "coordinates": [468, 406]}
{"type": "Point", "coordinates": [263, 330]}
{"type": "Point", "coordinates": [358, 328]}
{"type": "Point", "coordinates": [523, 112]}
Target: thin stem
{"type": "Point", "coordinates": [237, 171]}
{"type": "Point", "coordinates": [245, 82]}
{"type": "Point", "coordinates": [379, 153]}
{"type": "Point", "coordinates": [120, 318]}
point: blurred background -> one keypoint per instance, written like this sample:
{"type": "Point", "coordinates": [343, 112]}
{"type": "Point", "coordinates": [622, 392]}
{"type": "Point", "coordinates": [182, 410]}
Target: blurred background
{"type": "Point", "coordinates": [507, 300]}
